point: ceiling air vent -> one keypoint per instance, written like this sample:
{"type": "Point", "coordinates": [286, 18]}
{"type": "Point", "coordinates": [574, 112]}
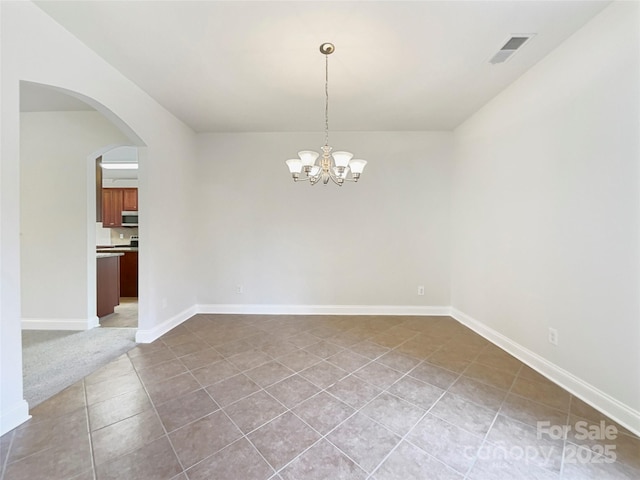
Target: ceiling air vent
{"type": "Point", "coordinates": [512, 45]}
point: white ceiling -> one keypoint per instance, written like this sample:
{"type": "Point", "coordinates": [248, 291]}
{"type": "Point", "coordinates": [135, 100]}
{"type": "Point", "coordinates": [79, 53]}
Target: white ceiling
{"type": "Point", "coordinates": [255, 66]}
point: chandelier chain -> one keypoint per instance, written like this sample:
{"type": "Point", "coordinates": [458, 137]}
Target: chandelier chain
{"type": "Point", "coordinates": [326, 103]}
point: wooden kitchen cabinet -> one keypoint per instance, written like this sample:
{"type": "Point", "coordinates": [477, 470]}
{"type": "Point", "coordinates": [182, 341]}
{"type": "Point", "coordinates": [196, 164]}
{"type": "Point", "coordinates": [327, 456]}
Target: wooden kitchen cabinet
{"type": "Point", "coordinates": [130, 199]}
{"type": "Point", "coordinates": [108, 285]}
{"type": "Point", "coordinates": [129, 274]}
{"type": "Point", "coordinates": [112, 207]}
{"type": "Point", "coordinates": [114, 201]}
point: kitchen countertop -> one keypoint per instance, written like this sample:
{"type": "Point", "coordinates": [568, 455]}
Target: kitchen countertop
{"type": "Point", "coordinates": [116, 249]}
{"type": "Point", "coordinates": [109, 254]}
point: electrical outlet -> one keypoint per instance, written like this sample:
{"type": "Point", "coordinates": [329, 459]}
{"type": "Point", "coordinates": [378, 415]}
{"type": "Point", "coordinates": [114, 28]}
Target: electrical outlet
{"type": "Point", "coordinates": [553, 336]}
{"type": "Point", "coordinates": [421, 290]}
{"type": "Point", "coordinates": [122, 235]}
{"type": "Point", "coordinates": [239, 289]}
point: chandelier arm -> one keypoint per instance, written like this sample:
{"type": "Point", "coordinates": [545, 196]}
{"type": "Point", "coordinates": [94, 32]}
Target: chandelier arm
{"type": "Point", "coordinates": [334, 178]}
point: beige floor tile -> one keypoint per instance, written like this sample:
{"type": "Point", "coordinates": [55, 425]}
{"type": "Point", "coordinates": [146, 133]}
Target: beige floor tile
{"type": "Point", "coordinates": [398, 361]}
{"type": "Point", "coordinates": [582, 463]}
{"type": "Point", "coordinates": [229, 349]}
{"type": "Point", "coordinates": [481, 393]}
{"type": "Point", "coordinates": [378, 375]}
{"type": "Point", "coordinates": [64, 458]}
{"type": "Point", "coordinates": [490, 376]}
{"type": "Point", "coordinates": [292, 390]}
{"type": "Point", "coordinates": [215, 372]}
{"type": "Point", "coordinates": [394, 413]}
{"type": "Point", "coordinates": [120, 366]}
{"type": "Point", "coordinates": [323, 349]}
{"type": "Point", "coordinates": [239, 460]}
{"type": "Point", "coordinates": [185, 409]}
{"type": "Point", "coordinates": [255, 410]}
{"type": "Point", "coordinates": [450, 444]}
{"type": "Point", "coordinates": [201, 358]}
{"type": "Point", "coordinates": [348, 361]}
{"type": "Point", "coordinates": [354, 391]}
{"type": "Point", "coordinates": [429, 373]}
{"type": "Point", "coordinates": [70, 399]}
{"type": "Point", "coordinates": [494, 357]}
{"type": "Point", "coordinates": [451, 361]}
{"type": "Point", "coordinates": [118, 408]}
{"type": "Point", "coordinates": [541, 451]}
{"type": "Point", "coordinates": [414, 391]}
{"type": "Point", "coordinates": [204, 437]}
{"type": "Point", "coordinates": [35, 436]}
{"type": "Point", "coordinates": [303, 340]}
{"type": "Point", "coordinates": [189, 348]}
{"type": "Point", "coordinates": [269, 373]}
{"type": "Point", "coordinates": [602, 437]}
{"type": "Point", "coordinates": [232, 389]}
{"type": "Point", "coordinates": [354, 436]}
{"type": "Point", "coordinates": [323, 374]}
{"type": "Point", "coordinates": [529, 412]}
{"type": "Point", "coordinates": [151, 357]}
{"type": "Point", "coordinates": [101, 391]}
{"type": "Point", "coordinates": [126, 436]}
{"type": "Point", "coordinates": [155, 460]}
{"type": "Point", "coordinates": [161, 392]}
{"type": "Point", "coordinates": [283, 439]}
{"type": "Point", "coordinates": [369, 349]}
{"type": "Point", "coordinates": [545, 392]}
{"type": "Point", "coordinates": [323, 412]}
{"type": "Point", "coordinates": [162, 371]}
{"type": "Point", "coordinates": [496, 467]}
{"type": "Point", "coordinates": [278, 348]}
{"type": "Point", "coordinates": [249, 359]}
{"type": "Point", "coordinates": [299, 360]}
{"type": "Point", "coordinates": [321, 462]}
{"type": "Point", "coordinates": [463, 413]}
{"type": "Point", "coordinates": [408, 462]}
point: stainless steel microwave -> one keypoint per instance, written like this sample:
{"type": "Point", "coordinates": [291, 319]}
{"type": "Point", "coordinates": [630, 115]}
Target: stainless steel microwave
{"type": "Point", "coordinates": [129, 218]}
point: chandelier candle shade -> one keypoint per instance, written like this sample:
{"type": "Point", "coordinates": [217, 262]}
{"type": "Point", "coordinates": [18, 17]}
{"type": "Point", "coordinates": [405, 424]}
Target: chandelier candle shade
{"type": "Point", "coordinates": [337, 166]}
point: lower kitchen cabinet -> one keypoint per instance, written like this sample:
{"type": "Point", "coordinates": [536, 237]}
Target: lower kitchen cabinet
{"type": "Point", "coordinates": [108, 284]}
{"type": "Point", "coordinates": [129, 274]}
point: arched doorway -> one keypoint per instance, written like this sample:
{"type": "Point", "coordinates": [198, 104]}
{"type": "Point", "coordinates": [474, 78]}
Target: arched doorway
{"type": "Point", "coordinates": [58, 225]}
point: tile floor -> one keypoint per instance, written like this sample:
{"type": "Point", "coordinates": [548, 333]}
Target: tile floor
{"type": "Point", "coordinates": [282, 398]}
{"type": "Point", "coordinates": [125, 315]}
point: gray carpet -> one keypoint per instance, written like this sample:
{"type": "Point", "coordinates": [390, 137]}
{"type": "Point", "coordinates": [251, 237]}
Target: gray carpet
{"type": "Point", "coordinates": [54, 360]}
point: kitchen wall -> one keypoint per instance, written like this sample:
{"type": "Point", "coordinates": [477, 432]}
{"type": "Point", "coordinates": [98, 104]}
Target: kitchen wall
{"type": "Point", "coordinates": [126, 232]}
{"type": "Point", "coordinates": [546, 214]}
{"type": "Point", "coordinates": [54, 166]}
{"type": "Point", "coordinates": [363, 247]}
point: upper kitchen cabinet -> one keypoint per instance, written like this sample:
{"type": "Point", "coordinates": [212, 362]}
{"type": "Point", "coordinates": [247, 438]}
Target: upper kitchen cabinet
{"type": "Point", "coordinates": [130, 199]}
{"type": "Point", "coordinates": [112, 202]}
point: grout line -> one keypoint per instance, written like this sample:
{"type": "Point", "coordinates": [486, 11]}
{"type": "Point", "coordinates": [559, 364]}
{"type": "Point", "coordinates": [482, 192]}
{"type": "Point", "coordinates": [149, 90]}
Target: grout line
{"type": "Point", "coordinates": [89, 433]}
{"type": "Point", "coordinates": [8, 454]}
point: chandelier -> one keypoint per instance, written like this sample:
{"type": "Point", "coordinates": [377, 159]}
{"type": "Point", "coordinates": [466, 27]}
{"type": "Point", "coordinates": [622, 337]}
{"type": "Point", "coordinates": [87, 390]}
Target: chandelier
{"type": "Point", "coordinates": [334, 166]}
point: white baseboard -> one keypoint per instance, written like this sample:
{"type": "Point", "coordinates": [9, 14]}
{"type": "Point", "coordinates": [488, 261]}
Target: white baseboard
{"type": "Point", "coordinates": [148, 336]}
{"type": "Point", "coordinates": [621, 413]}
{"type": "Point", "coordinates": [322, 309]}
{"type": "Point", "coordinates": [59, 324]}
{"type": "Point", "coordinates": [13, 416]}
